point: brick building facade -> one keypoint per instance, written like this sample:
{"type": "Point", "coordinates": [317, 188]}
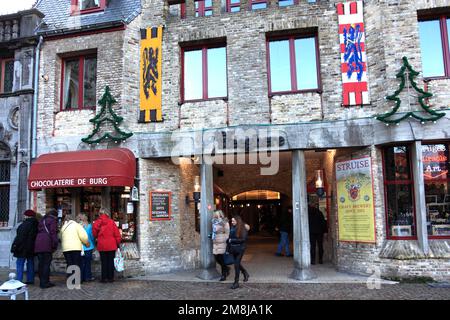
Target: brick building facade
{"type": "Point", "coordinates": [308, 120]}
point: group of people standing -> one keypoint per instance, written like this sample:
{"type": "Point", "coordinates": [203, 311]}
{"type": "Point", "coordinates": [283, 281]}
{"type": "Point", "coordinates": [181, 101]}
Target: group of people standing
{"type": "Point", "coordinates": [78, 242]}
{"type": "Point", "coordinates": [229, 240]}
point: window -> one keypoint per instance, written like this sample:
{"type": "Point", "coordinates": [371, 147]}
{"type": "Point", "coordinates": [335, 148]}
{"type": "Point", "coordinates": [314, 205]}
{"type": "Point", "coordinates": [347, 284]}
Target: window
{"type": "Point", "coordinates": [233, 5]}
{"type": "Point", "coordinates": [435, 159]}
{"type": "Point", "coordinates": [285, 3]}
{"type": "Point", "coordinates": [293, 64]}
{"type": "Point", "coordinates": [258, 4]}
{"type": "Point", "coordinates": [434, 46]}
{"type": "Point", "coordinates": [398, 187]}
{"type": "Point", "coordinates": [79, 76]}
{"type": "Point", "coordinates": [7, 75]}
{"type": "Point", "coordinates": [203, 8]}
{"type": "Point", "coordinates": [204, 73]}
{"type": "Point", "coordinates": [87, 6]}
{"type": "Point", "coordinates": [5, 174]}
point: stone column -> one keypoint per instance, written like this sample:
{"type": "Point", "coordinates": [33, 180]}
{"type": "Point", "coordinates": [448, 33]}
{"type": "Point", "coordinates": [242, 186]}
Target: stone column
{"type": "Point", "coordinates": [75, 202]}
{"type": "Point", "coordinates": [190, 8]}
{"type": "Point", "coordinates": [217, 7]}
{"type": "Point", "coordinates": [207, 262]}
{"type": "Point", "coordinates": [272, 3]}
{"type": "Point", "coordinates": [419, 195]}
{"type": "Point", "coordinates": [302, 255]}
{"type": "Point", "coordinates": [106, 198]}
{"type": "Point", "coordinates": [15, 29]}
{"type": "Point", "coordinates": [7, 31]}
{"type": "Point", "coordinates": [245, 5]}
{"type": "Point", "coordinates": [2, 30]}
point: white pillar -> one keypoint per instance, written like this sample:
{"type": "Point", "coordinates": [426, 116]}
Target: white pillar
{"type": "Point", "coordinates": [419, 196]}
{"type": "Point", "coordinates": [302, 255]}
{"type": "Point", "coordinates": [207, 261]}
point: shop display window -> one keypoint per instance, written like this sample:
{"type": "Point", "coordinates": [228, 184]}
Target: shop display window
{"type": "Point", "coordinates": [435, 159]}
{"type": "Point", "coordinates": [122, 209]}
{"type": "Point", "coordinates": [399, 193]}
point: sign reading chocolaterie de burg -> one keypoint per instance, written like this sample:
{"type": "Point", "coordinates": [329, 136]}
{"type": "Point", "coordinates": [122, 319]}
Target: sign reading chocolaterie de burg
{"type": "Point", "coordinates": [70, 182]}
{"type": "Point", "coordinates": [160, 205]}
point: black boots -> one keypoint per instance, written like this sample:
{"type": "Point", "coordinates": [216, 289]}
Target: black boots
{"type": "Point", "coordinates": [235, 285]}
{"type": "Point", "coordinates": [246, 275]}
{"type": "Point", "coordinates": [225, 273]}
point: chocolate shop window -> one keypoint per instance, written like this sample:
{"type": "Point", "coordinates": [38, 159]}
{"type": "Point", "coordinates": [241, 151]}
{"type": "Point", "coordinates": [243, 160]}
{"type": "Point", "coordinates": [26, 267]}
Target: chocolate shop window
{"type": "Point", "coordinates": [435, 159]}
{"type": "Point", "coordinates": [398, 184]}
{"type": "Point", "coordinates": [123, 212]}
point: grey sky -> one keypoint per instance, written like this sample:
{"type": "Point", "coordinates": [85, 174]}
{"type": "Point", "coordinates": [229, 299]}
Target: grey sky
{"type": "Point", "coordinates": [12, 6]}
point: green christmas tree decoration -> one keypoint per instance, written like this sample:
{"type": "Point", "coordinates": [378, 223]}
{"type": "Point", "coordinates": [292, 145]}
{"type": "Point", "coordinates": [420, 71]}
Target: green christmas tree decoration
{"type": "Point", "coordinates": [408, 74]}
{"type": "Point", "coordinates": [107, 115]}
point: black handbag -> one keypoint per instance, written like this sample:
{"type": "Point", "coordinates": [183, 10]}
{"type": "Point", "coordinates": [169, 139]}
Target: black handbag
{"type": "Point", "coordinates": [228, 258]}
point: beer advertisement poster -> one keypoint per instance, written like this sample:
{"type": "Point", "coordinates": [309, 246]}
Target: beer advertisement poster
{"type": "Point", "coordinates": [356, 216]}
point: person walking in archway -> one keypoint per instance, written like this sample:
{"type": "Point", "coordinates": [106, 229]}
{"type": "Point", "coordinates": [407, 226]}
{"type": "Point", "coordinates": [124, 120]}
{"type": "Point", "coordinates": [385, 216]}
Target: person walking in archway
{"type": "Point", "coordinates": [317, 227]}
{"type": "Point", "coordinates": [284, 227]}
{"type": "Point", "coordinates": [238, 243]}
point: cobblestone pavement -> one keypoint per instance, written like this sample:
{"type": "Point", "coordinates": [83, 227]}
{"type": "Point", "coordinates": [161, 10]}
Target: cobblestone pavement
{"type": "Point", "coordinates": [129, 289]}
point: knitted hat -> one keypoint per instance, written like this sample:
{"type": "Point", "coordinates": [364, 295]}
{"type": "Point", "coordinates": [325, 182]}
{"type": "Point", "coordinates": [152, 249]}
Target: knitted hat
{"type": "Point", "coordinates": [29, 213]}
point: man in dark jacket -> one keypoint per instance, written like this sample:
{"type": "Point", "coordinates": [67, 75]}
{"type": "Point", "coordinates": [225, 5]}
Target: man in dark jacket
{"type": "Point", "coordinates": [23, 246]}
{"type": "Point", "coordinates": [317, 227]}
{"type": "Point", "coordinates": [284, 227]}
{"type": "Point", "coordinates": [46, 244]}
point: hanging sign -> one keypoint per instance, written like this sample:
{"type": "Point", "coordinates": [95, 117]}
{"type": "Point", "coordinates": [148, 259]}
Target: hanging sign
{"type": "Point", "coordinates": [134, 194]}
{"type": "Point", "coordinates": [352, 39]}
{"type": "Point", "coordinates": [356, 216]}
{"type": "Point", "coordinates": [435, 161]}
{"type": "Point", "coordinates": [160, 202]}
{"type": "Point", "coordinates": [151, 75]}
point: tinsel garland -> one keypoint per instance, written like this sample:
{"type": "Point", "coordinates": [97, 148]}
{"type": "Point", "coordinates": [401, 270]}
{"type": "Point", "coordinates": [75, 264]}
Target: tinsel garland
{"type": "Point", "coordinates": [106, 103]}
{"type": "Point", "coordinates": [424, 95]}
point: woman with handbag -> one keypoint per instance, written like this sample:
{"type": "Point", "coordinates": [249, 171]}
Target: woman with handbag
{"type": "Point", "coordinates": [46, 243]}
{"type": "Point", "coordinates": [238, 243]}
{"type": "Point", "coordinates": [219, 236]}
{"type": "Point", "coordinates": [108, 240]}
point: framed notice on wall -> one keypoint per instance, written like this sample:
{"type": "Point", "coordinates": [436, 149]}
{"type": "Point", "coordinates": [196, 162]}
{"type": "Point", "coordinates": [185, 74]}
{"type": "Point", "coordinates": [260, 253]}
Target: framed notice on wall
{"type": "Point", "coordinates": [356, 212]}
{"type": "Point", "coordinates": [160, 202]}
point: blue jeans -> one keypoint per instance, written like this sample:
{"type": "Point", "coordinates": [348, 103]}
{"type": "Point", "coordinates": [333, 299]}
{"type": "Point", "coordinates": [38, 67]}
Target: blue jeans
{"type": "Point", "coordinates": [284, 242]}
{"type": "Point", "coordinates": [86, 273]}
{"type": "Point", "coordinates": [20, 263]}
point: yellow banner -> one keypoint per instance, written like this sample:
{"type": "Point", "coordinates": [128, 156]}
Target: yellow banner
{"type": "Point", "coordinates": [355, 200]}
{"type": "Point", "coordinates": [151, 75]}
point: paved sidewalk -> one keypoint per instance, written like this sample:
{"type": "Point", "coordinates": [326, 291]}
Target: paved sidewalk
{"type": "Point", "coordinates": [264, 267]}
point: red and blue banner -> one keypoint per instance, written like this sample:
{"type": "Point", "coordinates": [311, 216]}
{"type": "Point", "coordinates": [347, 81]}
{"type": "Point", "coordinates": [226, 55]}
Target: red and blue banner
{"type": "Point", "coordinates": [352, 38]}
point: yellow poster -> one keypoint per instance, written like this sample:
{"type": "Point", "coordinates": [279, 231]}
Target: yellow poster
{"type": "Point", "coordinates": [151, 75]}
{"type": "Point", "coordinates": [356, 216]}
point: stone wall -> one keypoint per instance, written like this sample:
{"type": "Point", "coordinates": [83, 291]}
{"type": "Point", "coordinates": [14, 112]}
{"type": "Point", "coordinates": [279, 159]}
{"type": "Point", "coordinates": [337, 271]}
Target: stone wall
{"type": "Point", "coordinates": [167, 245]}
{"type": "Point", "coordinates": [74, 124]}
{"type": "Point", "coordinates": [392, 258]}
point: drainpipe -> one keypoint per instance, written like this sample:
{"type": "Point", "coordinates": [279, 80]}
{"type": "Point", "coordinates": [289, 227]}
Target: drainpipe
{"type": "Point", "coordinates": [35, 100]}
{"type": "Point", "coordinates": [32, 142]}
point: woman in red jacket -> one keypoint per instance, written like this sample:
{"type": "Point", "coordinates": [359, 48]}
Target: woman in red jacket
{"type": "Point", "coordinates": [108, 239]}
